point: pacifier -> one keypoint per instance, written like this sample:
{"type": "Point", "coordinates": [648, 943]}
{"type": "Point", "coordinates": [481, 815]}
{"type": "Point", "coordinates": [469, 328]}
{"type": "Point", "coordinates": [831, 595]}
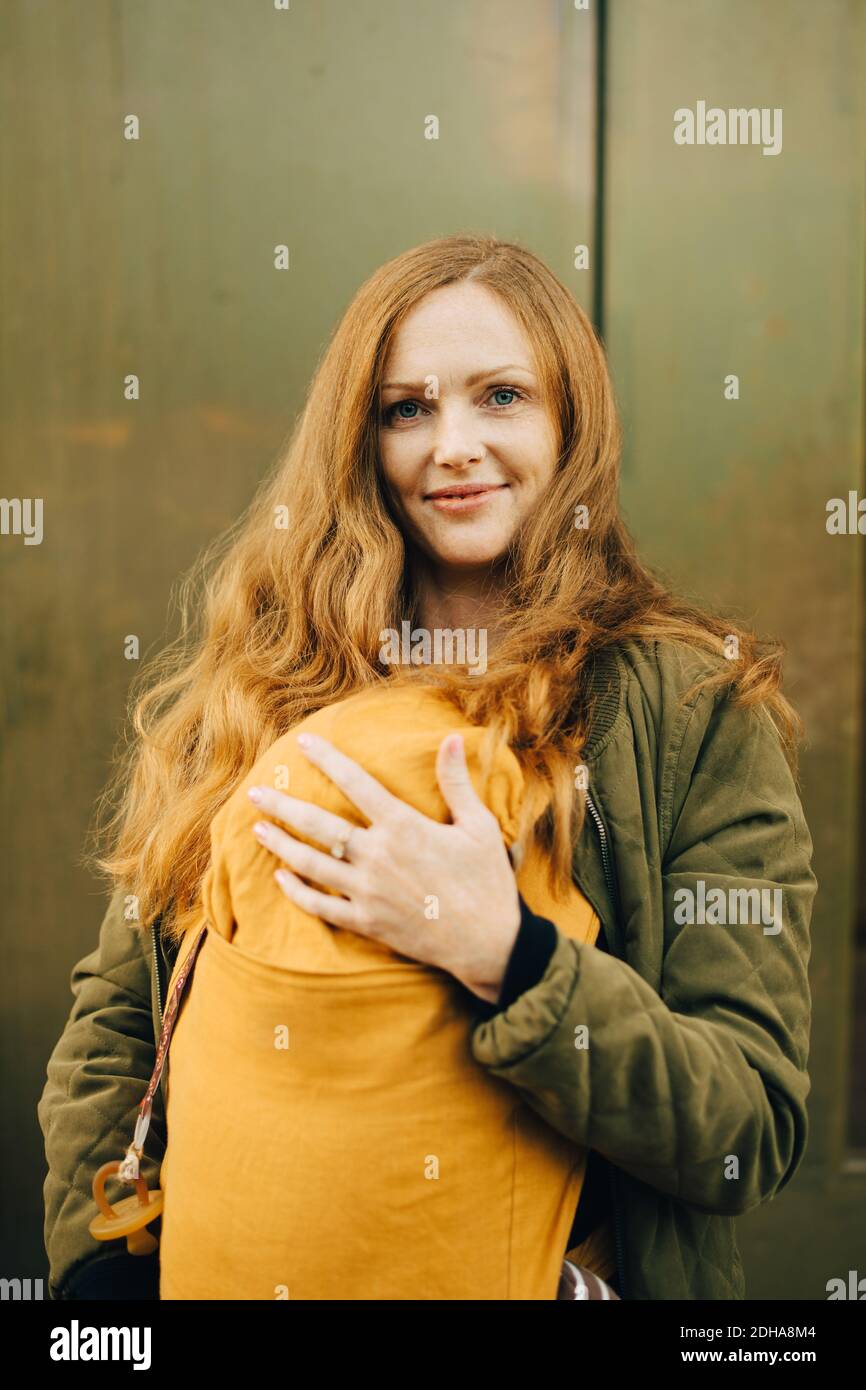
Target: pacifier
{"type": "Point", "coordinates": [130, 1217]}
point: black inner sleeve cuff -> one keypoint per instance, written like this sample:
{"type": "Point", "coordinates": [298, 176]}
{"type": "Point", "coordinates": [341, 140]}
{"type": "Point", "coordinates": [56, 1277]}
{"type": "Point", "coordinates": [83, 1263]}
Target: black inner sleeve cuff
{"type": "Point", "coordinates": [530, 955]}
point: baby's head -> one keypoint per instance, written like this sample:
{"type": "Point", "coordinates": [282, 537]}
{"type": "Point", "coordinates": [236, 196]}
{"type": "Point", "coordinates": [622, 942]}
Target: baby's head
{"type": "Point", "coordinates": [394, 733]}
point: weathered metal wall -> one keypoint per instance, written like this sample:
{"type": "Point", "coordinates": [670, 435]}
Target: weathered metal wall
{"type": "Point", "coordinates": [307, 127]}
{"type": "Point", "coordinates": [723, 260]}
{"type": "Point", "coordinates": [156, 257]}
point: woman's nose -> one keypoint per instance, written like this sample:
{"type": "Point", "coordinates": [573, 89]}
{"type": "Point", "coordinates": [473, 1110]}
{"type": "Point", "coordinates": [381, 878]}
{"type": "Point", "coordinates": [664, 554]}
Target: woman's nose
{"type": "Point", "coordinates": [457, 435]}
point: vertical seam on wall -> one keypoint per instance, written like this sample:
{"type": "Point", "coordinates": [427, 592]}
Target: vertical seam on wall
{"type": "Point", "coordinates": [857, 928]}
{"type": "Point", "coordinates": [598, 305]}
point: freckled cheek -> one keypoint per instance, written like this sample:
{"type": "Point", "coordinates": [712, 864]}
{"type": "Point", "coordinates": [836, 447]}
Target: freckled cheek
{"type": "Point", "coordinates": [403, 473]}
{"type": "Point", "coordinates": [395, 468]}
{"type": "Point", "coordinates": [526, 453]}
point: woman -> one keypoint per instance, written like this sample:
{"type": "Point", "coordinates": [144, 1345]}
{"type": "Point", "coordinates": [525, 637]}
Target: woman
{"type": "Point", "coordinates": [676, 1047]}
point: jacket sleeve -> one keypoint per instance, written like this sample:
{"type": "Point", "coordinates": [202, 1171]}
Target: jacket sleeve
{"type": "Point", "coordinates": [96, 1077]}
{"type": "Point", "coordinates": [698, 1090]}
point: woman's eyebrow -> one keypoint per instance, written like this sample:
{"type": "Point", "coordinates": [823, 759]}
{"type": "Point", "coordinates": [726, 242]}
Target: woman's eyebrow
{"type": "Point", "coordinates": [470, 380]}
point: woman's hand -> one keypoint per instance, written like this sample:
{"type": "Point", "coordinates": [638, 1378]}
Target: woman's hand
{"type": "Point", "coordinates": [442, 894]}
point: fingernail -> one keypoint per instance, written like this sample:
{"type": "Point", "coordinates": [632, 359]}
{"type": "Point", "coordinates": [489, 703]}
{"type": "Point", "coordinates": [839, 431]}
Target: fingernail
{"type": "Point", "coordinates": [255, 794]}
{"type": "Point", "coordinates": [455, 745]}
{"type": "Point", "coordinates": [260, 829]}
{"type": "Point", "coordinates": [304, 740]}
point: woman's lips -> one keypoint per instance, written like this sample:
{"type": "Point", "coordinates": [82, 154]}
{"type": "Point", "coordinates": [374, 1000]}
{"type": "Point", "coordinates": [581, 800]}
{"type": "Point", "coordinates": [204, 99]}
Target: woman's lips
{"type": "Point", "coordinates": [465, 504]}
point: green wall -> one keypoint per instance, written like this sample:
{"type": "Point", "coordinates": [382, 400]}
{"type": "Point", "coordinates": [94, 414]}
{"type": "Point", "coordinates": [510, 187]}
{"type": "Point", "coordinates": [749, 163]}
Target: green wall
{"type": "Point", "coordinates": [719, 260]}
{"type": "Point", "coordinates": [306, 128]}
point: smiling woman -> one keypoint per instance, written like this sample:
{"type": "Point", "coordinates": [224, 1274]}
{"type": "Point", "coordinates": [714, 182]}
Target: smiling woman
{"type": "Point", "coordinates": [460, 418]}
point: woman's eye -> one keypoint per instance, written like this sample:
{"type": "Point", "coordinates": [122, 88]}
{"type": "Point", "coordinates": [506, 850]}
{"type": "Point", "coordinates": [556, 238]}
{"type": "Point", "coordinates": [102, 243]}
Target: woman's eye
{"type": "Point", "coordinates": [506, 391]}
{"type": "Point", "coordinates": [397, 411]}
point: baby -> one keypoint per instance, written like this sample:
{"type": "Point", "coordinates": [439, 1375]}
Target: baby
{"type": "Point", "coordinates": [330, 1135]}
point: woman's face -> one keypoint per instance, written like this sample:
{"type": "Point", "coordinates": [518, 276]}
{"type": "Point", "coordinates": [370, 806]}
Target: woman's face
{"type": "Point", "coordinates": [461, 412]}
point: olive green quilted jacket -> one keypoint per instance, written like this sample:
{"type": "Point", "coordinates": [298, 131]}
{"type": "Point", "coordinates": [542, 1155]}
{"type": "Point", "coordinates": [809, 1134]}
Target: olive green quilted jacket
{"type": "Point", "coordinates": [679, 1054]}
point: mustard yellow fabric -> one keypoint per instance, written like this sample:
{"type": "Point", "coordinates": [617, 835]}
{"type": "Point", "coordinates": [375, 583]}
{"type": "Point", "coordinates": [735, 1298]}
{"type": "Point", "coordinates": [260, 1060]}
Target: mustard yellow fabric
{"type": "Point", "coordinates": [330, 1135]}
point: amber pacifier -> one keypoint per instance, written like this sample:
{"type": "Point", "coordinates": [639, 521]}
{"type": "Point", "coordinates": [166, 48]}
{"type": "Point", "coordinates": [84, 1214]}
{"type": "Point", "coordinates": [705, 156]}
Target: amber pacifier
{"type": "Point", "coordinates": [130, 1217]}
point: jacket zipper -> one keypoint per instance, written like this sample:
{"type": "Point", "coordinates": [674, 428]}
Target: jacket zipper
{"type": "Point", "coordinates": [614, 897]}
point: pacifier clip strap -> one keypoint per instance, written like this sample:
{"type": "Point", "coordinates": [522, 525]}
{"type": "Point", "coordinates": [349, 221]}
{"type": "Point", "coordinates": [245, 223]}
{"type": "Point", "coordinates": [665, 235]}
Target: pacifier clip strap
{"type": "Point", "coordinates": [129, 1168]}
